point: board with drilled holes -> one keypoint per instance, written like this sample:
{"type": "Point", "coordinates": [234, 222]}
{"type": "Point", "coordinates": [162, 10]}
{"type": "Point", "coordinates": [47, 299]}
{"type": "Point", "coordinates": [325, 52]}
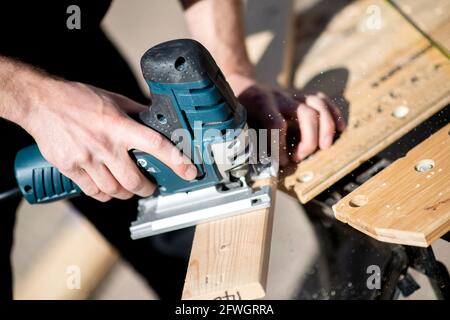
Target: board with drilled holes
{"type": "Point", "coordinates": [409, 201]}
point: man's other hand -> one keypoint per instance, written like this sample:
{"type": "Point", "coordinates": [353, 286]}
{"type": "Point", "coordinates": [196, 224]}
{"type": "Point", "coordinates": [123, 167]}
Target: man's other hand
{"type": "Point", "coordinates": [317, 119]}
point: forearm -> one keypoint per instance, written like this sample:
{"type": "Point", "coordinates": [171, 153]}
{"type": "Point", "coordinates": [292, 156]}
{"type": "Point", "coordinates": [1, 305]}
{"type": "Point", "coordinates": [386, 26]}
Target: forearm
{"type": "Point", "coordinates": [17, 81]}
{"type": "Point", "coordinates": [218, 25]}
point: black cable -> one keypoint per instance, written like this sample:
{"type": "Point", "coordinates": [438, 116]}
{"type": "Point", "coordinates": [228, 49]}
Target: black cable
{"type": "Point", "coordinates": [10, 194]}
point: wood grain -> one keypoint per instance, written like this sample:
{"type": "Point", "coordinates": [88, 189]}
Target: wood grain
{"type": "Point", "coordinates": [372, 72]}
{"type": "Point", "coordinates": [401, 204]}
{"type": "Point", "coordinates": [432, 18]}
{"type": "Point", "coordinates": [229, 257]}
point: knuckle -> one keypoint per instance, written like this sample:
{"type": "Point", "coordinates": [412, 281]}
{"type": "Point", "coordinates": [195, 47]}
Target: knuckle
{"type": "Point", "coordinates": [133, 183]}
{"type": "Point", "coordinates": [317, 103]}
{"type": "Point", "coordinates": [102, 144]}
{"type": "Point", "coordinates": [84, 157]}
{"type": "Point", "coordinates": [309, 147]}
{"type": "Point", "coordinates": [310, 114]}
{"type": "Point", "coordinates": [321, 95]}
{"type": "Point", "coordinates": [103, 198]}
{"type": "Point", "coordinates": [66, 166]}
{"type": "Point", "coordinates": [155, 140]}
{"type": "Point", "coordinates": [112, 189]}
{"type": "Point", "coordinates": [91, 190]}
{"type": "Point", "coordinates": [127, 195]}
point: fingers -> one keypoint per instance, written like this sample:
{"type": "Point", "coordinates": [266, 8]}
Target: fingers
{"type": "Point", "coordinates": [106, 182]}
{"type": "Point", "coordinates": [308, 119]}
{"type": "Point", "coordinates": [87, 185]}
{"type": "Point", "coordinates": [335, 112]}
{"type": "Point", "coordinates": [129, 176]}
{"type": "Point", "coordinates": [150, 141]}
{"type": "Point", "coordinates": [326, 122]}
{"type": "Point", "coordinates": [317, 118]}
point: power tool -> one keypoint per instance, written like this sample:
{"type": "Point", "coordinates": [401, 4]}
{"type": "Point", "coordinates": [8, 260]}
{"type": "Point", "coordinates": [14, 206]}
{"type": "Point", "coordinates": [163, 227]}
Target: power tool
{"type": "Point", "coordinates": [191, 103]}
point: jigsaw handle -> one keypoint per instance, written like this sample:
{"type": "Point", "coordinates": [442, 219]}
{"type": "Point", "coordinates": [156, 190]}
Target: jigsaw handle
{"type": "Point", "coordinates": [38, 180]}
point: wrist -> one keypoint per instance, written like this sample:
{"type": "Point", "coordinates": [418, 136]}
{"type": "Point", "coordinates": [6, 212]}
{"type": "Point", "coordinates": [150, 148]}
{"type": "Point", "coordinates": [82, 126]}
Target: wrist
{"type": "Point", "coordinates": [242, 68]}
{"type": "Point", "coordinates": [26, 86]}
{"type": "Point", "coordinates": [19, 86]}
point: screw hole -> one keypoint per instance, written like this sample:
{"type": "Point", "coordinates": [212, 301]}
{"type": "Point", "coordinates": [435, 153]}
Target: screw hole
{"type": "Point", "coordinates": [305, 176]}
{"type": "Point", "coordinates": [359, 201]}
{"type": "Point", "coordinates": [28, 189]}
{"type": "Point", "coordinates": [180, 64]}
{"type": "Point", "coordinates": [400, 112]}
{"type": "Point", "coordinates": [424, 165]}
{"type": "Point", "coordinates": [161, 118]}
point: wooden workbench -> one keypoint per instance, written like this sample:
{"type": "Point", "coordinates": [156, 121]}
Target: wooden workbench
{"type": "Point", "coordinates": [384, 75]}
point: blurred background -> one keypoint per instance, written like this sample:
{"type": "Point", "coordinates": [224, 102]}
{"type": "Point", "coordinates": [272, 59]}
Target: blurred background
{"type": "Point", "coordinates": [52, 232]}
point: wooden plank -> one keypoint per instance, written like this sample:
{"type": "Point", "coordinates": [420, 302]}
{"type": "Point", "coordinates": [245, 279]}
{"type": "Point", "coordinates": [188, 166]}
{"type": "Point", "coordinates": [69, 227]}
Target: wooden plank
{"type": "Point", "coordinates": [409, 201]}
{"type": "Point", "coordinates": [76, 250]}
{"type": "Point", "coordinates": [385, 77]}
{"type": "Point", "coordinates": [229, 257]}
{"type": "Point", "coordinates": [432, 18]}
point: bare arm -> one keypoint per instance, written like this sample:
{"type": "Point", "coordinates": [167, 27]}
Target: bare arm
{"type": "Point", "coordinates": [85, 131]}
{"type": "Point", "coordinates": [218, 25]}
{"type": "Point", "coordinates": [13, 107]}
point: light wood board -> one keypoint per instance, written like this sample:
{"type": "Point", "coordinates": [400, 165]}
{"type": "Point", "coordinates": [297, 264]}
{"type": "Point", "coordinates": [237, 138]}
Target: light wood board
{"type": "Point", "coordinates": [403, 204]}
{"type": "Point", "coordinates": [230, 257]}
{"type": "Point", "coordinates": [431, 17]}
{"type": "Point", "coordinates": [372, 71]}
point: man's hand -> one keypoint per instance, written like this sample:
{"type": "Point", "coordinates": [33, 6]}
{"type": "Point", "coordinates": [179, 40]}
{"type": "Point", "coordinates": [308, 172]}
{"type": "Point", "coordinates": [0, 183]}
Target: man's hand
{"type": "Point", "coordinates": [86, 133]}
{"type": "Point", "coordinates": [317, 119]}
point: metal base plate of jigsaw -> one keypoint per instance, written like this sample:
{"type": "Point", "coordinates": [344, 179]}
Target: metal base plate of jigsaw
{"type": "Point", "coordinates": [181, 210]}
